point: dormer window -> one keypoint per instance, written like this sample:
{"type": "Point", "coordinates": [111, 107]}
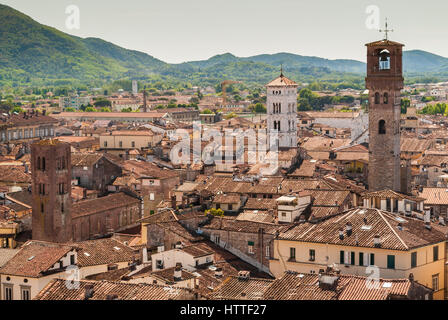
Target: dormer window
{"type": "Point", "coordinates": [385, 60]}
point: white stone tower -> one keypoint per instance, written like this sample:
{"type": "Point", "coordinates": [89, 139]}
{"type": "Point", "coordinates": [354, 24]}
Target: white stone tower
{"type": "Point", "coordinates": [282, 110]}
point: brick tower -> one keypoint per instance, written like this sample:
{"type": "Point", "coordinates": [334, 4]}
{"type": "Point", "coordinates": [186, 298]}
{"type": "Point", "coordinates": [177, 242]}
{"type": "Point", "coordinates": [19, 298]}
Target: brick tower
{"type": "Point", "coordinates": [51, 189]}
{"type": "Point", "coordinates": [384, 81]}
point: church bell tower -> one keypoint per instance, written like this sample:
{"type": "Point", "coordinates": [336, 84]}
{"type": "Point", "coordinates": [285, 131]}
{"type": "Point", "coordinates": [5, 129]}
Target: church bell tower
{"type": "Point", "coordinates": [282, 110]}
{"type": "Point", "coordinates": [384, 81]}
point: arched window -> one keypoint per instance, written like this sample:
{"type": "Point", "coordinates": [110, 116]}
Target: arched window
{"type": "Point", "coordinates": [43, 164]}
{"type": "Point", "coordinates": [377, 98]}
{"type": "Point", "coordinates": [38, 163]}
{"type": "Point", "coordinates": [382, 127]}
{"type": "Point", "coordinates": [385, 60]}
{"type": "Point", "coordinates": [278, 125]}
{"type": "Point", "coordinates": [386, 98]}
{"type": "Point", "coordinates": [275, 125]}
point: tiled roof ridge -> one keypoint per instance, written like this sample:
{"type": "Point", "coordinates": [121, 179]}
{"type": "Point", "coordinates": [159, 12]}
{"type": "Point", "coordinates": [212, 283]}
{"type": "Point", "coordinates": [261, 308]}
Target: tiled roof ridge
{"type": "Point", "coordinates": [392, 228]}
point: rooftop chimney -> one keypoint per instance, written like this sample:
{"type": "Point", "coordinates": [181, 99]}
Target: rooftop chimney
{"type": "Point", "coordinates": [328, 281]}
{"type": "Point", "coordinates": [341, 234]}
{"type": "Point", "coordinates": [427, 217]}
{"type": "Point", "coordinates": [218, 272]}
{"type": "Point", "coordinates": [377, 241]}
{"type": "Point", "coordinates": [88, 293]}
{"type": "Point", "coordinates": [243, 275]}
{"type": "Point", "coordinates": [348, 229]}
{"type": "Point", "coordinates": [178, 272]}
{"type": "Point", "coordinates": [178, 245]}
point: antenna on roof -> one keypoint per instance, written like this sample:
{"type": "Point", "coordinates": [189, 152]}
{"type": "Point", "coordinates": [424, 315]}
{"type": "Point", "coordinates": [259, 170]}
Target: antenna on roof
{"type": "Point", "coordinates": [281, 70]}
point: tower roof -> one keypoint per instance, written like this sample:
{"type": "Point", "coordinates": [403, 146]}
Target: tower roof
{"type": "Point", "coordinates": [281, 81]}
{"type": "Point", "coordinates": [384, 42]}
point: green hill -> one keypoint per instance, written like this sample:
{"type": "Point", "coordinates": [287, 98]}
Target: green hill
{"type": "Point", "coordinates": [35, 54]}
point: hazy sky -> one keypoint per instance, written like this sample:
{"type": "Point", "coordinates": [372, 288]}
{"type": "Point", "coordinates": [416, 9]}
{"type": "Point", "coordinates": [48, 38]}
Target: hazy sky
{"type": "Point", "coordinates": [184, 30]}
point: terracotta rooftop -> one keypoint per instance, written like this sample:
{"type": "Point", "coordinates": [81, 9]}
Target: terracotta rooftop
{"type": "Point", "coordinates": [385, 194]}
{"type": "Point", "coordinates": [307, 169]}
{"type": "Point", "coordinates": [281, 81]}
{"type": "Point", "coordinates": [109, 202]}
{"type": "Point", "coordinates": [412, 234]}
{"type": "Point", "coordinates": [415, 145]}
{"type": "Point", "coordinates": [147, 170]}
{"type": "Point", "coordinates": [35, 258]}
{"type": "Point", "coordinates": [226, 199]}
{"type": "Point", "coordinates": [234, 288]}
{"type": "Point", "coordinates": [218, 223]}
{"type": "Point", "coordinates": [85, 159]}
{"type": "Point", "coordinates": [167, 275]}
{"type": "Point", "coordinates": [331, 198]}
{"type": "Point", "coordinates": [297, 286]}
{"type": "Point", "coordinates": [435, 196]}
{"type": "Point", "coordinates": [260, 204]}
{"type": "Point", "coordinates": [58, 290]}
{"type": "Point", "coordinates": [103, 252]}
{"type": "Point", "coordinates": [14, 174]}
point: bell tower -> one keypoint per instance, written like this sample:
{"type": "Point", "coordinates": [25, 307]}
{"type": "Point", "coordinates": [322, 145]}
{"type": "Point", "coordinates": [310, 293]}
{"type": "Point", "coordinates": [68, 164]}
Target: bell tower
{"type": "Point", "coordinates": [281, 103]}
{"type": "Point", "coordinates": [51, 191]}
{"type": "Point", "coordinates": [384, 81]}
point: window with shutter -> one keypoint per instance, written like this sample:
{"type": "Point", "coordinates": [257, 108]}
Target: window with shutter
{"type": "Point", "coordinates": [390, 262]}
{"type": "Point", "coordinates": [341, 257]}
{"type": "Point", "coordinates": [372, 259]}
{"type": "Point", "coordinates": [435, 250]}
{"type": "Point", "coordinates": [413, 259]}
{"type": "Point", "coordinates": [361, 259]}
{"type": "Point", "coordinates": [352, 258]}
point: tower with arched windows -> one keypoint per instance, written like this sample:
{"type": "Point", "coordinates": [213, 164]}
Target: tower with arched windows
{"type": "Point", "coordinates": [282, 110]}
{"type": "Point", "coordinates": [385, 82]}
{"type": "Point", "coordinates": [51, 190]}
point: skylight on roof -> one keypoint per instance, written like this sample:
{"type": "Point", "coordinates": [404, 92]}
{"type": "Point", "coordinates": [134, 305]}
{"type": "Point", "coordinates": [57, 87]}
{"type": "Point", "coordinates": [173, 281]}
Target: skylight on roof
{"type": "Point", "coordinates": [400, 219]}
{"type": "Point", "coordinates": [30, 258]}
{"type": "Point", "coordinates": [117, 248]}
{"type": "Point", "coordinates": [87, 254]}
{"type": "Point", "coordinates": [213, 268]}
{"type": "Point", "coordinates": [366, 228]}
{"type": "Point", "coordinates": [362, 211]}
{"type": "Point", "coordinates": [387, 285]}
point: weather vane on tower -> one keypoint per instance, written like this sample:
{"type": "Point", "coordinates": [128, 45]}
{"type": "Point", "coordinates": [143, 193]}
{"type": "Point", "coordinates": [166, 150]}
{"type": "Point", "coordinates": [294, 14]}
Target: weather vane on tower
{"type": "Point", "coordinates": [386, 31]}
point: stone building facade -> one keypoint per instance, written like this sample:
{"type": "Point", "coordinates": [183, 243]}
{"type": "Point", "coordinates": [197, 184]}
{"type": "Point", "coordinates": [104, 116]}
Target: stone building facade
{"type": "Point", "coordinates": [252, 242]}
{"type": "Point", "coordinates": [384, 81]}
{"type": "Point", "coordinates": [99, 217]}
{"type": "Point", "coordinates": [94, 171]}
